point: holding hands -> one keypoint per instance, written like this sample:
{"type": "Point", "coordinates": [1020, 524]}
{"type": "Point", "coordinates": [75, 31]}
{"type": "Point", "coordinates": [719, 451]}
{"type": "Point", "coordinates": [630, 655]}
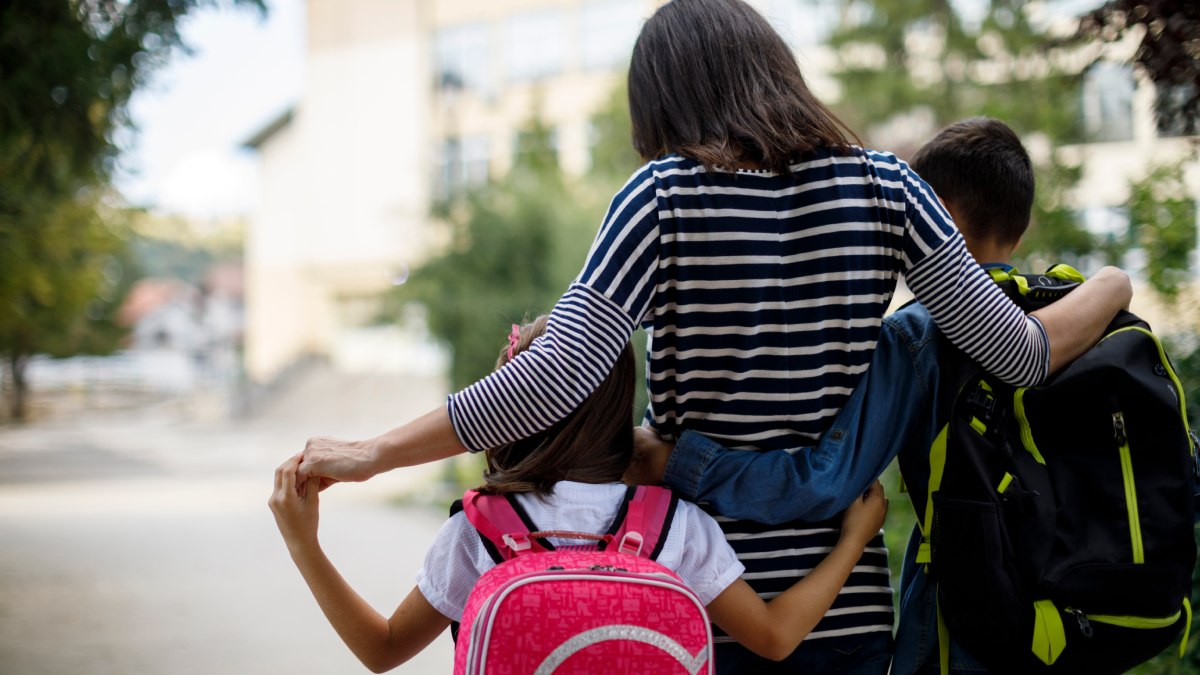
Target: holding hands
{"type": "Point", "coordinates": [296, 505]}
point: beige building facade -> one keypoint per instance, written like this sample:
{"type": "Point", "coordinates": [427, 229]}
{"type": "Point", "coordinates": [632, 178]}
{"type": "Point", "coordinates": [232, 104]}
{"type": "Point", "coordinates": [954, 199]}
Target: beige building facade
{"type": "Point", "coordinates": [408, 102]}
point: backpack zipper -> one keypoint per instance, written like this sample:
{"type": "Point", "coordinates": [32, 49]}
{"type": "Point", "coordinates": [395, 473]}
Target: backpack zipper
{"type": "Point", "coordinates": [1131, 507]}
{"type": "Point", "coordinates": [1147, 623]}
{"type": "Point", "coordinates": [1166, 363]}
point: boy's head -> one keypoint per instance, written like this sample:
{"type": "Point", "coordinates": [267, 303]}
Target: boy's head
{"type": "Point", "coordinates": [593, 444]}
{"type": "Point", "coordinates": [983, 175]}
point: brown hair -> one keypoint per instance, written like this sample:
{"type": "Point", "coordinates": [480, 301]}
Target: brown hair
{"type": "Point", "coordinates": [979, 167]}
{"type": "Point", "coordinates": [593, 444]}
{"type": "Point", "coordinates": [713, 81]}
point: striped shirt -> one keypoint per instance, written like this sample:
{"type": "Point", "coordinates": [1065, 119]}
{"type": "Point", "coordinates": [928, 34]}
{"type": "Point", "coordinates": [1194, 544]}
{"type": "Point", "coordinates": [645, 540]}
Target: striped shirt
{"type": "Point", "coordinates": [762, 295]}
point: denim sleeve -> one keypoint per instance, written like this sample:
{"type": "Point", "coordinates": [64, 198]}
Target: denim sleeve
{"type": "Point", "coordinates": [891, 403]}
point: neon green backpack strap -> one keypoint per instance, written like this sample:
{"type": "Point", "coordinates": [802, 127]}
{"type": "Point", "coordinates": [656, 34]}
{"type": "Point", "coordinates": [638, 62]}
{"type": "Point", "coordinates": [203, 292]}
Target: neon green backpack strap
{"type": "Point", "coordinates": [1187, 627]}
{"type": "Point", "coordinates": [1065, 272]}
{"type": "Point", "coordinates": [937, 465]}
{"type": "Point", "coordinates": [943, 641]}
{"type": "Point", "coordinates": [1049, 636]}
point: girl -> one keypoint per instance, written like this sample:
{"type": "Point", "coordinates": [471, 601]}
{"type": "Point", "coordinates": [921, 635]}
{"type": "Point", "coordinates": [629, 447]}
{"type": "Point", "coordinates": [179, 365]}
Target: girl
{"type": "Point", "coordinates": [759, 248]}
{"type": "Point", "coordinates": [567, 478]}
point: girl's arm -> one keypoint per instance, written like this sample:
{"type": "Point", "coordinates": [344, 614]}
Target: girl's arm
{"type": "Point", "coordinates": [381, 644]}
{"type": "Point", "coordinates": [774, 629]}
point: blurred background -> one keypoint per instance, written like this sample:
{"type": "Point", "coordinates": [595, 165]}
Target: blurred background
{"type": "Point", "coordinates": [228, 226]}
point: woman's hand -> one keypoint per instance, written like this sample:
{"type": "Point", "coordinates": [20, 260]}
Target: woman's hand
{"type": "Point", "coordinates": [863, 520]}
{"type": "Point", "coordinates": [296, 506]}
{"type": "Point", "coordinates": [333, 460]}
{"type": "Point", "coordinates": [650, 455]}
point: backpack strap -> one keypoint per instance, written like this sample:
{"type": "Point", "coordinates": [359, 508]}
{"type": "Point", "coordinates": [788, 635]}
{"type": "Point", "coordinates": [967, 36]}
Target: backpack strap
{"type": "Point", "coordinates": [640, 527]}
{"type": "Point", "coordinates": [644, 520]}
{"type": "Point", "coordinates": [503, 525]}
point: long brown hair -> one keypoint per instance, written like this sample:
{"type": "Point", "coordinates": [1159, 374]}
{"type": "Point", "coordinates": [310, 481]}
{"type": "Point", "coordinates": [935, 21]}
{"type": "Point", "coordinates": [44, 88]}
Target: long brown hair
{"type": "Point", "coordinates": [593, 444]}
{"type": "Point", "coordinates": [713, 81]}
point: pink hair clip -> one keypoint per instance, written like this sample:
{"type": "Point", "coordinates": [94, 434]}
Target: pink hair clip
{"type": "Point", "coordinates": [514, 340]}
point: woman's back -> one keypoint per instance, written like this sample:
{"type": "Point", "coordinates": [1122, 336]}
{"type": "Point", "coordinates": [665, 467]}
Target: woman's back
{"type": "Point", "coordinates": [769, 293]}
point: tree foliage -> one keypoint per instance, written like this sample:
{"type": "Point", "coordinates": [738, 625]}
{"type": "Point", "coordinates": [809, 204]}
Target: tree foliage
{"type": "Point", "coordinates": [1162, 221]}
{"type": "Point", "coordinates": [67, 71]}
{"type": "Point", "coordinates": [922, 59]}
{"type": "Point", "coordinates": [1168, 53]}
{"type": "Point", "coordinates": [513, 246]}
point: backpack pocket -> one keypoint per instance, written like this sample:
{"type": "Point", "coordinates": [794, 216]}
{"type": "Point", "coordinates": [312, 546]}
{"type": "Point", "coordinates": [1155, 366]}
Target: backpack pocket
{"type": "Point", "coordinates": [975, 576]}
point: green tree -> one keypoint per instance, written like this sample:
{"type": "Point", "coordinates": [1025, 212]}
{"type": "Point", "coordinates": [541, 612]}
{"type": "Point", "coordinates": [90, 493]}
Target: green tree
{"type": "Point", "coordinates": [906, 58]}
{"type": "Point", "coordinates": [67, 71]}
{"type": "Point", "coordinates": [1162, 221]}
{"type": "Point", "coordinates": [513, 246]}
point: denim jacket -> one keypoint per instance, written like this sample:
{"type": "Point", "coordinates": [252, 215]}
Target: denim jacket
{"type": "Point", "coordinates": [891, 407]}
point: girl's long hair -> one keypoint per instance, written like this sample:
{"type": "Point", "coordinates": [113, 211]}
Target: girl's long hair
{"type": "Point", "coordinates": [713, 81]}
{"type": "Point", "coordinates": [593, 444]}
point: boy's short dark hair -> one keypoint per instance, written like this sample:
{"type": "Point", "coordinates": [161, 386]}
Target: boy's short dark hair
{"type": "Point", "coordinates": [979, 166]}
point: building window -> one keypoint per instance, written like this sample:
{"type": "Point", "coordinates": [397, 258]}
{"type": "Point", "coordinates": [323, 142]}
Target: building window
{"type": "Point", "coordinates": [464, 163]}
{"type": "Point", "coordinates": [609, 31]}
{"type": "Point", "coordinates": [463, 58]}
{"type": "Point", "coordinates": [535, 45]}
{"type": "Point", "coordinates": [1108, 102]}
{"type": "Point", "coordinates": [1174, 98]}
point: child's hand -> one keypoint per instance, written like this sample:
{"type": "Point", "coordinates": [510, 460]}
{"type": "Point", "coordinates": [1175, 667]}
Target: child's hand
{"type": "Point", "coordinates": [650, 455]}
{"type": "Point", "coordinates": [864, 518]}
{"type": "Point", "coordinates": [295, 507]}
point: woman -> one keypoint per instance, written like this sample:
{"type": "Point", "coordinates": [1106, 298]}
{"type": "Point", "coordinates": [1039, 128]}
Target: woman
{"type": "Point", "coordinates": [759, 247]}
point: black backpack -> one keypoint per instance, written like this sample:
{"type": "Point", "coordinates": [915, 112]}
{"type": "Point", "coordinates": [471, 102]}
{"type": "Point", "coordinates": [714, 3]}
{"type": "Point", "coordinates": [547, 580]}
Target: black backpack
{"type": "Point", "coordinates": [1057, 520]}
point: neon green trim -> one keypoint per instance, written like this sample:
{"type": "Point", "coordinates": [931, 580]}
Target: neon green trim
{"type": "Point", "coordinates": [1162, 356]}
{"type": "Point", "coordinates": [937, 466]}
{"type": "Point", "coordinates": [1005, 482]}
{"type": "Point", "coordinates": [984, 385]}
{"type": "Point", "coordinates": [998, 275]}
{"type": "Point", "coordinates": [943, 642]}
{"type": "Point", "coordinates": [1022, 284]}
{"type": "Point", "coordinates": [1187, 626]}
{"type": "Point", "coordinates": [1023, 422]}
{"type": "Point", "coordinates": [1065, 272]}
{"type": "Point", "coordinates": [924, 552]}
{"type": "Point", "coordinates": [1131, 506]}
{"type": "Point", "coordinates": [1146, 623]}
{"type": "Point", "coordinates": [1049, 637]}
{"type": "Point", "coordinates": [978, 426]}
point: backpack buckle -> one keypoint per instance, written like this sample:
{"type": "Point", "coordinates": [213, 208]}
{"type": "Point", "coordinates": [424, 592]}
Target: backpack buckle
{"type": "Point", "coordinates": [984, 401]}
{"type": "Point", "coordinates": [631, 543]}
{"type": "Point", "coordinates": [517, 543]}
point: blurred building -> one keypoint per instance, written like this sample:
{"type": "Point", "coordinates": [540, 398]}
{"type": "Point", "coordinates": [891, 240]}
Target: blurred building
{"type": "Point", "coordinates": [408, 102]}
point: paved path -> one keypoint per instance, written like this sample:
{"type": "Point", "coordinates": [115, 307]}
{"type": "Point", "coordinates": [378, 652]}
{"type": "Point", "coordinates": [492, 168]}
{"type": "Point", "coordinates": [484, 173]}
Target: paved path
{"type": "Point", "coordinates": [142, 543]}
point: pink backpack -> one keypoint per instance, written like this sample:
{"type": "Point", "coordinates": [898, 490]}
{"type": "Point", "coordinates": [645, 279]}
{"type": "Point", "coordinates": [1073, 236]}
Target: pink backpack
{"type": "Point", "coordinates": [604, 607]}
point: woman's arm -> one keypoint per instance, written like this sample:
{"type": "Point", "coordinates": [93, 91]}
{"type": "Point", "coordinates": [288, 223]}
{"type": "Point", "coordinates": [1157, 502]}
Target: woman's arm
{"type": "Point", "coordinates": [381, 644]}
{"type": "Point", "coordinates": [774, 629]}
{"type": "Point", "coordinates": [976, 315]}
{"type": "Point", "coordinates": [428, 438]}
{"type": "Point", "coordinates": [588, 328]}
{"type": "Point", "coordinates": [1077, 321]}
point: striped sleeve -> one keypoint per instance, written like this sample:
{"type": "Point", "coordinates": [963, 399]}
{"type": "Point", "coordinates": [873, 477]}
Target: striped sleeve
{"type": "Point", "coordinates": [971, 310]}
{"type": "Point", "coordinates": [588, 328]}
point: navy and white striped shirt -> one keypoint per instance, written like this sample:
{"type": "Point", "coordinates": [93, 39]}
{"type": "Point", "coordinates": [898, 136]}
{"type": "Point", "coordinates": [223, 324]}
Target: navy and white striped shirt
{"type": "Point", "coordinates": [763, 296]}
